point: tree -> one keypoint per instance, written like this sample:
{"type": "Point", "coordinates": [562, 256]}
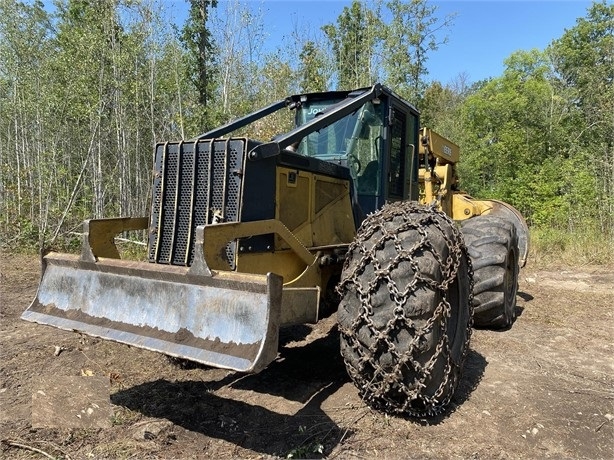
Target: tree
{"type": "Point", "coordinates": [312, 68]}
{"type": "Point", "coordinates": [517, 145]}
{"type": "Point", "coordinates": [584, 64]}
{"type": "Point", "coordinates": [198, 41]}
{"type": "Point", "coordinates": [84, 93]}
{"type": "Point", "coordinates": [25, 166]}
{"type": "Point", "coordinates": [239, 36]}
{"type": "Point", "coordinates": [440, 106]}
{"type": "Point", "coordinates": [353, 42]}
{"type": "Point", "coordinates": [412, 33]}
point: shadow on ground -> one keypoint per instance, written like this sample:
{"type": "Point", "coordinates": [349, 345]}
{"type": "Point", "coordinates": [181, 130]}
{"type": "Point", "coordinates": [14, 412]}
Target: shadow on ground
{"type": "Point", "coordinates": [308, 374]}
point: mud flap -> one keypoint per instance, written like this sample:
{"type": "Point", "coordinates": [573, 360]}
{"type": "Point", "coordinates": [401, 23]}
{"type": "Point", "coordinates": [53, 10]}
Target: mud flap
{"type": "Point", "coordinates": [227, 320]}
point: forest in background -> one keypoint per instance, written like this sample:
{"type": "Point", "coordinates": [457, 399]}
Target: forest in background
{"type": "Point", "coordinates": [88, 87]}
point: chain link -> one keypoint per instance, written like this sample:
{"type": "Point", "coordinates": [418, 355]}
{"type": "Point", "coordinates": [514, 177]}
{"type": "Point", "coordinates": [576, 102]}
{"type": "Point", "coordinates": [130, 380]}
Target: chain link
{"type": "Point", "coordinates": [398, 386]}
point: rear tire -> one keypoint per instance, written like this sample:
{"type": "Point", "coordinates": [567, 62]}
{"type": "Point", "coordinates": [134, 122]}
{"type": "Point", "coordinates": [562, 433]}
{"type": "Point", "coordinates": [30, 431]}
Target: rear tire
{"type": "Point", "coordinates": [405, 310]}
{"type": "Point", "coordinates": [493, 247]}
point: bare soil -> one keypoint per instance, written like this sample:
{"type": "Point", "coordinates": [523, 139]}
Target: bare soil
{"type": "Point", "coordinates": [542, 389]}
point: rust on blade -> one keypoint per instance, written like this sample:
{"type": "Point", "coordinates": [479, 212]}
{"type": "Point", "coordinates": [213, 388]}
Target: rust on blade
{"type": "Point", "coordinates": [229, 321]}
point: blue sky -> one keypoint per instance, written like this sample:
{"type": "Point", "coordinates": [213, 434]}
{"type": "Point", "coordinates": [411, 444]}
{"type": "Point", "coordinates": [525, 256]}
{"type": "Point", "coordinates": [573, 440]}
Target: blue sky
{"type": "Point", "coordinates": [484, 32]}
{"type": "Point", "coordinates": [483, 35]}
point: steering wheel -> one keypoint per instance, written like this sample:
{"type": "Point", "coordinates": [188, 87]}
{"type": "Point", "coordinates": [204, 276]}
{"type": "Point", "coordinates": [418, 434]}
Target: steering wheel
{"type": "Point", "coordinates": [355, 163]}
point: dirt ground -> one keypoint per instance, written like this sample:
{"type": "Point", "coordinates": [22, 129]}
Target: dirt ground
{"type": "Point", "coordinates": [543, 389]}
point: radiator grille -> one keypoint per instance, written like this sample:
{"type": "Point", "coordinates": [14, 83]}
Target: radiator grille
{"type": "Point", "coordinates": [194, 184]}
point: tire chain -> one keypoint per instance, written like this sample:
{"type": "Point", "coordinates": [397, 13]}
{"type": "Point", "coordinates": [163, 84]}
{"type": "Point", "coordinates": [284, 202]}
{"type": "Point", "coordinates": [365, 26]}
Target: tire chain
{"type": "Point", "coordinates": [375, 390]}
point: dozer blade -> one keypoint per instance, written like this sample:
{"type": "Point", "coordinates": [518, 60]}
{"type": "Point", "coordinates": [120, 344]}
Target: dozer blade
{"type": "Point", "coordinates": [228, 320]}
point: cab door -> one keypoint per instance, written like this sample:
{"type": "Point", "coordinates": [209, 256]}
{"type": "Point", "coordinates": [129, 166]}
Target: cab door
{"type": "Point", "coordinates": [402, 156]}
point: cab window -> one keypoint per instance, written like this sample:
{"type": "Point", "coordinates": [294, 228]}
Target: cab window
{"type": "Point", "coordinates": [354, 141]}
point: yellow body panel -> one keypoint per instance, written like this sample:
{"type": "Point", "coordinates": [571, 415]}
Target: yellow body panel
{"type": "Point", "coordinates": [435, 187]}
{"type": "Point", "coordinates": [100, 235]}
{"type": "Point", "coordinates": [464, 206]}
{"type": "Point", "coordinates": [438, 147]}
{"type": "Point", "coordinates": [438, 180]}
{"type": "Point", "coordinates": [313, 217]}
{"type": "Point", "coordinates": [316, 208]}
{"type": "Point", "coordinates": [285, 263]}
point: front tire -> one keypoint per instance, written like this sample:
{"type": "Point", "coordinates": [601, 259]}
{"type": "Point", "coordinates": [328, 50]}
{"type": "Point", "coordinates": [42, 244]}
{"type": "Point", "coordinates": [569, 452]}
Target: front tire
{"type": "Point", "coordinates": [492, 243]}
{"type": "Point", "coordinates": [405, 310]}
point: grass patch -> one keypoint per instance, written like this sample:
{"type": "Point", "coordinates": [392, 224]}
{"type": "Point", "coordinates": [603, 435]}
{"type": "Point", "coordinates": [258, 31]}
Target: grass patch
{"type": "Point", "coordinates": [584, 246]}
{"type": "Point", "coordinates": [132, 250]}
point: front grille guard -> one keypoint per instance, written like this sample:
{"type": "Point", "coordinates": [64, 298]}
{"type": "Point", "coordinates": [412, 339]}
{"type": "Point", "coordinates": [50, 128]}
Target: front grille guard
{"type": "Point", "coordinates": [195, 183]}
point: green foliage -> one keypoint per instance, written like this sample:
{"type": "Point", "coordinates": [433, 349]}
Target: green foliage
{"type": "Point", "coordinates": [312, 68]}
{"type": "Point", "coordinates": [366, 48]}
{"type": "Point", "coordinates": [239, 37]}
{"type": "Point", "coordinates": [587, 245]}
{"type": "Point", "coordinates": [84, 93]}
{"type": "Point", "coordinates": [86, 90]}
{"type": "Point", "coordinates": [353, 40]}
{"type": "Point", "coordinates": [584, 67]}
{"type": "Point", "coordinates": [540, 136]}
{"type": "Point", "coordinates": [440, 107]}
{"type": "Point", "coordinates": [408, 38]}
{"type": "Point", "coordinates": [201, 69]}
{"type": "Point", "coordinates": [518, 147]}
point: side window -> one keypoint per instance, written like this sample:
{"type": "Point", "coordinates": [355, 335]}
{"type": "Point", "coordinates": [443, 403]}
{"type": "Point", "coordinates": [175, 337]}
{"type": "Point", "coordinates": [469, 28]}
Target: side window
{"type": "Point", "coordinates": [398, 160]}
{"type": "Point", "coordinates": [364, 156]}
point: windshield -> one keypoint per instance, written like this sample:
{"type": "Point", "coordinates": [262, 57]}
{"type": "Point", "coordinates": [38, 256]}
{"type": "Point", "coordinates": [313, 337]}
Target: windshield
{"type": "Point", "coordinates": [338, 139]}
{"type": "Point", "coordinates": [329, 142]}
{"type": "Point", "coordinates": [354, 141]}
{"type": "Point", "coordinates": [341, 138]}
